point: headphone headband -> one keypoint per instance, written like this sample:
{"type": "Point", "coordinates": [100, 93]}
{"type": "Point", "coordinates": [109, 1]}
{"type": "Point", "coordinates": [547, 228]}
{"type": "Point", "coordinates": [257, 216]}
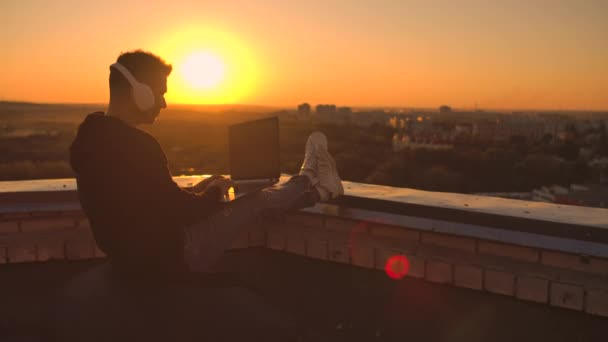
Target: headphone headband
{"type": "Point", "coordinates": [125, 72]}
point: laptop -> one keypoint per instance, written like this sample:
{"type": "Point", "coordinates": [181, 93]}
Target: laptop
{"type": "Point", "coordinates": [253, 154]}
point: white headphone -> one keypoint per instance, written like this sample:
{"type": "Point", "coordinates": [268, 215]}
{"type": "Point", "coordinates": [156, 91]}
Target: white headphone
{"type": "Point", "coordinates": [142, 93]}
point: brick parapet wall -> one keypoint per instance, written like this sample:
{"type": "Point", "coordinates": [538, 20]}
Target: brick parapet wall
{"type": "Point", "coordinates": [45, 236]}
{"type": "Point", "coordinates": [564, 280]}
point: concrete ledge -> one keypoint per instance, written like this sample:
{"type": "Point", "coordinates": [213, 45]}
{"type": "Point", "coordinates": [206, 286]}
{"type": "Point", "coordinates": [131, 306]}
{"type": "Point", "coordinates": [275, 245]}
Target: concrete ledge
{"type": "Point", "coordinates": [545, 240]}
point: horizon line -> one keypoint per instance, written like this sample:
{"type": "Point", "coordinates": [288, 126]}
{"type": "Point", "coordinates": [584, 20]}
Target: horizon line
{"type": "Point", "coordinates": [478, 109]}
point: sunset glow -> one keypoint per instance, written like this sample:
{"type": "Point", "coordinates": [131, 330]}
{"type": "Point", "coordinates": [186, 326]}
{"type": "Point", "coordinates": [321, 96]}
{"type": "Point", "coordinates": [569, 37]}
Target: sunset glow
{"type": "Point", "coordinates": [540, 54]}
{"type": "Point", "coordinates": [211, 66]}
{"type": "Point", "coordinates": [202, 70]}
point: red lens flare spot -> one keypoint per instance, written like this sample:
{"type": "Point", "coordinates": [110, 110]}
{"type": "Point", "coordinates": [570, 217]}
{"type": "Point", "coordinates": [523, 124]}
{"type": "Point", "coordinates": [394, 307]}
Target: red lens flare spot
{"type": "Point", "coordinates": [397, 266]}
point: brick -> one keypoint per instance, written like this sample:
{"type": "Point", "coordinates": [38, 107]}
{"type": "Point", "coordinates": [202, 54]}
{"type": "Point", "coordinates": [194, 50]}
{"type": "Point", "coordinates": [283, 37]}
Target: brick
{"type": "Point", "coordinates": [79, 249]}
{"type": "Point", "coordinates": [417, 266]}
{"type": "Point", "coordinates": [532, 289]}
{"type": "Point", "coordinates": [397, 268]}
{"type": "Point", "coordinates": [51, 250]}
{"type": "Point", "coordinates": [318, 249]}
{"type": "Point", "coordinates": [296, 245]}
{"type": "Point", "coordinates": [468, 276]}
{"type": "Point", "coordinates": [383, 255]}
{"type": "Point", "coordinates": [9, 227]}
{"type": "Point", "coordinates": [438, 272]}
{"type": "Point", "coordinates": [276, 241]}
{"type": "Point", "coordinates": [567, 296]}
{"type": "Point", "coordinates": [338, 252]}
{"type": "Point", "coordinates": [393, 232]}
{"type": "Point", "coordinates": [241, 241]}
{"type": "Point", "coordinates": [508, 251]}
{"type": "Point", "coordinates": [344, 225]}
{"type": "Point", "coordinates": [303, 220]}
{"type": "Point", "coordinates": [22, 253]}
{"type": "Point", "coordinates": [597, 302]}
{"type": "Point", "coordinates": [499, 282]}
{"type": "Point", "coordinates": [257, 238]}
{"type": "Point", "coordinates": [575, 262]}
{"type": "Point", "coordinates": [449, 241]}
{"type": "Point", "coordinates": [362, 256]}
{"type": "Point", "coordinates": [46, 224]}
{"type": "Point", "coordinates": [407, 245]}
{"type": "Point", "coordinates": [416, 263]}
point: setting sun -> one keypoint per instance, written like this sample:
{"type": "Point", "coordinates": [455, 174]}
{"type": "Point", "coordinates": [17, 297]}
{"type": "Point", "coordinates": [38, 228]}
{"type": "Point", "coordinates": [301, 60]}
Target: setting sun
{"type": "Point", "coordinates": [211, 66]}
{"type": "Point", "coordinates": [203, 70]}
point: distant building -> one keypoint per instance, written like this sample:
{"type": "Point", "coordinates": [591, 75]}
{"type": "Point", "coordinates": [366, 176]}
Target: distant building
{"type": "Point", "coordinates": [600, 168]}
{"type": "Point", "coordinates": [329, 113]}
{"type": "Point", "coordinates": [401, 142]}
{"type": "Point", "coordinates": [503, 130]}
{"type": "Point", "coordinates": [345, 110]}
{"type": "Point", "coordinates": [304, 108]}
{"type": "Point", "coordinates": [463, 130]}
{"type": "Point", "coordinates": [326, 108]}
{"type": "Point", "coordinates": [303, 112]}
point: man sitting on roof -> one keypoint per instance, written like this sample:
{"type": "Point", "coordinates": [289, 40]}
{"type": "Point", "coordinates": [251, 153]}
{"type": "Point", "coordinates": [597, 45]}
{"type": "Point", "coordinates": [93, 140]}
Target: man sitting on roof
{"type": "Point", "coordinates": [147, 225]}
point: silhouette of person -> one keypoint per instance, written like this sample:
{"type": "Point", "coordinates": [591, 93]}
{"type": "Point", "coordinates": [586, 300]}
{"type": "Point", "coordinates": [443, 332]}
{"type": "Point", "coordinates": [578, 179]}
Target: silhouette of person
{"type": "Point", "coordinates": [147, 225]}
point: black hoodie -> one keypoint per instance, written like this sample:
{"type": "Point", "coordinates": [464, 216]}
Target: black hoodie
{"type": "Point", "coordinates": [136, 211]}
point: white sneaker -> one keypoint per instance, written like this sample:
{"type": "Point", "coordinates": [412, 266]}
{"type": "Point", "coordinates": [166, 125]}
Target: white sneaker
{"type": "Point", "coordinates": [320, 167]}
{"type": "Point", "coordinates": [309, 165]}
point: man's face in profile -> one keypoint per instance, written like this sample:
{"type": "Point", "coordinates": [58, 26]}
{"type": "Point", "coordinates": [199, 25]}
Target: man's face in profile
{"type": "Point", "coordinates": [158, 89]}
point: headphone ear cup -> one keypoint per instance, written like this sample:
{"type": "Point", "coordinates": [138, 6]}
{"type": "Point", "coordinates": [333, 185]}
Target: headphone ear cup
{"type": "Point", "coordinates": [143, 96]}
{"type": "Point", "coordinates": [142, 93]}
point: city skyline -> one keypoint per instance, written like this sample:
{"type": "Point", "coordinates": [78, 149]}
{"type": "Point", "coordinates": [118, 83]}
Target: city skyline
{"type": "Point", "coordinates": [539, 55]}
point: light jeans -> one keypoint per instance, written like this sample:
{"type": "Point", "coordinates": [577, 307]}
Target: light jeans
{"type": "Point", "coordinates": [206, 241]}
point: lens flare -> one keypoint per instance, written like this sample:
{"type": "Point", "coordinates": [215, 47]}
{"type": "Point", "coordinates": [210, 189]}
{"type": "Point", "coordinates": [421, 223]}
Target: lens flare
{"type": "Point", "coordinates": [397, 266]}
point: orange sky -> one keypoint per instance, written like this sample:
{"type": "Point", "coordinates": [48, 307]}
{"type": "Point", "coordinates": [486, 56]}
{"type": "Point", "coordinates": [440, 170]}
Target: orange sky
{"type": "Point", "coordinates": [494, 54]}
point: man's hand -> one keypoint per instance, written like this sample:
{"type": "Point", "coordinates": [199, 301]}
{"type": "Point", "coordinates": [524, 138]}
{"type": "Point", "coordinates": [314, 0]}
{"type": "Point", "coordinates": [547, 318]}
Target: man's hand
{"type": "Point", "coordinates": [204, 184]}
{"type": "Point", "coordinates": [223, 184]}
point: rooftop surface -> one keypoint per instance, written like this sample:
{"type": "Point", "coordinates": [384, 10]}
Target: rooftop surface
{"type": "Point", "coordinates": [336, 302]}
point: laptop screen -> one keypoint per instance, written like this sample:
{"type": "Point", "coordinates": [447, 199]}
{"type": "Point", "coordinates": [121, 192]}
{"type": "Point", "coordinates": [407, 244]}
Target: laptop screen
{"type": "Point", "coordinates": [254, 149]}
